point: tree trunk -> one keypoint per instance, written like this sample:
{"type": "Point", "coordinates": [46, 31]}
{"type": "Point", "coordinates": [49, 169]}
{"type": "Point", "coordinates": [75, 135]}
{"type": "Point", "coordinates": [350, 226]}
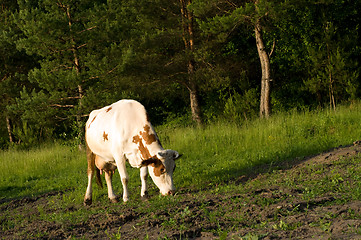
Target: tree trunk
{"type": "Point", "coordinates": [196, 110]}
{"type": "Point", "coordinates": [330, 87]}
{"type": "Point", "coordinates": [77, 67]}
{"type": "Point", "coordinates": [8, 125]}
{"type": "Point", "coordinates": [188, 38]}
{"type": "Point", "coordinates": [265, 103]}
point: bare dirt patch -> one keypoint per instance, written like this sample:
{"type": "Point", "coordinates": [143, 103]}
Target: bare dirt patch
{"type": "Point", "coordinates": [310, 198]}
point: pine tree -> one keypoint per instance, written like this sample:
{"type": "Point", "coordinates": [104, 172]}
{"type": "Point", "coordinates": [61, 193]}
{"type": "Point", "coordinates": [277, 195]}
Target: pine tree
{"type": "Point", "coordinates": [163, 50]}
{"type": "Point", "coordinates": [14, 64]}
{"type": "Point", "coordinates": [63, 34]}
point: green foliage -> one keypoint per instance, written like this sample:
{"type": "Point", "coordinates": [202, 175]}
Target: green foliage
{"type": "Point", "coordinates": [241, 108]}
{"type": "Point", "coordinates": [330, 73]}
{"type": "Point", "coordinates": [26, 135]}
{"type": "Point", "coordinates": [62, 59]}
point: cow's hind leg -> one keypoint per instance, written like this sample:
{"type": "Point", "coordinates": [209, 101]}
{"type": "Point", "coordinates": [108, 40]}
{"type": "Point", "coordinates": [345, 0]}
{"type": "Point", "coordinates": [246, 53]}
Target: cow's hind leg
{"type": "Point", "coordinates": [90, 171]}
{"type": "Point", "coordinates": [143, 179]}
{"type": "Point", "coordinates": [108, 178]}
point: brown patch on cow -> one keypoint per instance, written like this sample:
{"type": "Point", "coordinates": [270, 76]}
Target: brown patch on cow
{"type": "Point", "coordinates": [105, 136]}
{"type": "Point", "coordinates": [159, 167]}
{"type": "Point", "coordinates": [92, 121]}
{"type": "Point", "coordinates": [148, 138]}
{"type": "Point", "coordinates": [109, 108]}
{"type": "Point", "coordinates": [143, 149]}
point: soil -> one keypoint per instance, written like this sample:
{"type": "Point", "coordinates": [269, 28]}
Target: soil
{"type": "Point", "coordinates": [205, 215]}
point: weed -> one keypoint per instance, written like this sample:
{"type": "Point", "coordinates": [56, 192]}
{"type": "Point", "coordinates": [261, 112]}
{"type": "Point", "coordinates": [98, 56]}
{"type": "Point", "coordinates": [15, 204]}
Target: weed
{"type": "Point", "coordinates": [322, 224]}
{"type": "Point", "coordinates": [355, 228]}
{"type": "Point", "coordinates": [185, 212]}
{"type": "Point", "coordinates": [115, 236]}
{"type": "Point", "coordinates": [222, 234]}
{"type": "Point", "coordinates": [252, 236]}
{"type": "Point", "coordinates": [171, 222]}
{"type": "Point", "coordinates": [281, 226]}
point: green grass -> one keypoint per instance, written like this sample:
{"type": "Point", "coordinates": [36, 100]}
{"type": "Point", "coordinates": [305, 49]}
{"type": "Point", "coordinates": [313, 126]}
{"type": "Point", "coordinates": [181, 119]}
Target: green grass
{"type": "Point", "coordinates": [213, 154]}
{"type": "Point", "coordinates": [222, 151]}
{"type": "Point", "coordinates": [33, 172]}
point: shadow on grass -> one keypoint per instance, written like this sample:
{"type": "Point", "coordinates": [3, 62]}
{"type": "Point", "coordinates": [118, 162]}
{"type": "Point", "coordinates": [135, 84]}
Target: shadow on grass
{"type": "Point", "coordinates": [29, 199]}
{"type": "Point", "coordinates": [240, 175]}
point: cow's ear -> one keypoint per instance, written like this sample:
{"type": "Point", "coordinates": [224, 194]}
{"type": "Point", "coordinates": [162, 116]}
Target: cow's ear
{"type": "Point", "coordinates": [177, 155]}
{"type": "Point", "coordinates": [169, 153]}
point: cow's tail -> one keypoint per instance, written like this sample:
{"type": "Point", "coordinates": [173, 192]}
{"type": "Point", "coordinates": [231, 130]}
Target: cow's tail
{"type": "Point", "coordinates": [91, 166]}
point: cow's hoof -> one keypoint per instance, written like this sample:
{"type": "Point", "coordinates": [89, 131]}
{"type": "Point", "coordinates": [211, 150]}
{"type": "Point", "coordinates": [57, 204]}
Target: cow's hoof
{"type": "Point", "coordinates": [87, 202]}
{"type": "Point", "coordinates": [145, 196]}
{"type": "Point", "coordinates": [114, 200]}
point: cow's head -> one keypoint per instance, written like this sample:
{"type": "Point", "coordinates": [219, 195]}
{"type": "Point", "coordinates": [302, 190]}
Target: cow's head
{"type": "Point", "coordinates": [161, 168]}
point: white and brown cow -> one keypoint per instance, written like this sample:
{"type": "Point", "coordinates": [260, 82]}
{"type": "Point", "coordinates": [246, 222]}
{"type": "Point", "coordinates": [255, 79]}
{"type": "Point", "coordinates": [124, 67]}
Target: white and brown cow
{"type": "Point", "coordinates": [122, 132]}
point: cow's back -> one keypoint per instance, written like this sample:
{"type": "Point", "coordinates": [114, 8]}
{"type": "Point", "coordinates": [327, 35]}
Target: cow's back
{"type": "Point", "coordinates": [113, 127]}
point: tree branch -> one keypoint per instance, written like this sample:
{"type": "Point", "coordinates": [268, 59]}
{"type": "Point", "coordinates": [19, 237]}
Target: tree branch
{"type": "Point", "coordinates": [110, 71]}
{"type": "Point", "coordinates": [273, 48]}
{"type": "Point", "coordinates": [61, 106]}
{"type": "Point", "coordinates": [68, 98]}
{"type": "Point", "coordinates": [88, 29]}
{"type": "Point", "coordinates": [5, 77]}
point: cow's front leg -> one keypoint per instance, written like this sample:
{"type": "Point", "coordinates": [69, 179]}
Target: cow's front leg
{"type": "Point", "coordinates": [124, 177]}
{"type": "Point", "coordinates": [108, 178]}
{"type": "Point", "coordinates": [143, 179]}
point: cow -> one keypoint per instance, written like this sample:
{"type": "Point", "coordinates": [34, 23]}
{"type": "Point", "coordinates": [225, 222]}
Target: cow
{"type": "Point", "coordinates": [122, 132]}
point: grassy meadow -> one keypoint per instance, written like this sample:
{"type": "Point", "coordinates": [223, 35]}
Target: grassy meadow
{"type": "Point", "coordinates": [222, 151]}
{"type": "Point", "coordinates": [213, 156]}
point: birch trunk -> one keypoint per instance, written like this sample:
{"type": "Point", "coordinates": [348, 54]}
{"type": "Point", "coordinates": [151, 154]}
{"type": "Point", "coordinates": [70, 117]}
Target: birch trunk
{"type": "Point", "coordinates": [265, 106]}
{"type": "Point", "coordinates": [8, 126]}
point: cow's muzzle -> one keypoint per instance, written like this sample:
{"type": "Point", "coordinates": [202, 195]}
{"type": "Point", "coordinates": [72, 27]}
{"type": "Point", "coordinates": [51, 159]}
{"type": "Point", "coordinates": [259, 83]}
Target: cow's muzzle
{"type": "Point", "coordinates": [171, 192]}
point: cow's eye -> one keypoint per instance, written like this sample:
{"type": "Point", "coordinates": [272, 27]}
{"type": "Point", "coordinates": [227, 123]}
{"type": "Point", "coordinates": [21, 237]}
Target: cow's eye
{"type": "Point", "coordinates": [162, 170]}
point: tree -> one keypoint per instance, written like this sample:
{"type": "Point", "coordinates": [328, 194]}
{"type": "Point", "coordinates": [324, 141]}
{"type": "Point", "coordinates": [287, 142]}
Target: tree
{"type": "Point", "coordinates": [188, 38]}
{"type": "Point", "coordinates": [326, 35]}
{"type": "Point", "coordinates": [330, 72]}
{"type": "Point", "coordinates": [164, 55]}
{"type": "Point", "coordinates": [259, 15]}
{"type": "Point", "coordinates": [65, 36]}
{"type": "Point", "coordinates": [14, 65]}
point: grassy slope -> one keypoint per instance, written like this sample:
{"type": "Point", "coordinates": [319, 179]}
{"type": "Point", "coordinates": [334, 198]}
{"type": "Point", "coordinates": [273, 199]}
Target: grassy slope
{"type": "Point", "coordinates": [223, 151]}
{"type": "Point", "coordinates": [213, 156]}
